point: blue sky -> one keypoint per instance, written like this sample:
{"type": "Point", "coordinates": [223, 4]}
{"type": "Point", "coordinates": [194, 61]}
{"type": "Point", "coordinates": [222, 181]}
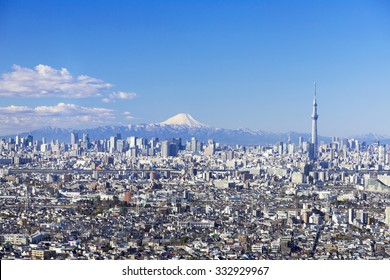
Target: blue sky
{"type": "Point", "coordinates": [229, 64]}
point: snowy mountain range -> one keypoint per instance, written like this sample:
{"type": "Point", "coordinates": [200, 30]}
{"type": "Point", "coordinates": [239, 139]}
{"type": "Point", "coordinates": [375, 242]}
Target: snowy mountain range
{"type": "Point", "coordinates": [185, 126]}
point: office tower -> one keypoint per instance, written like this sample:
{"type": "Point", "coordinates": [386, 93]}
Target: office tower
{"type": "Point", "coordinates": [120, 145]}
{"type": "Point", "coordinates": [169, 149]}
{"type": "Point", "coordinates": [132, 141]}
{"type": "Point", "coordinates": [151, 152]}
{"type": "Point", "coordinates": [210, 149]}
{"type": "Point", "coordinates": [357, 145]}
{"type": "Point", "coordinates": [141, 143]}
{"type": "Point", "coordinates": [290, 149]}
{"type": "Point", "coordinates": [132, 152]}
{"type": "Point", "coordinates": [153, 142]}
{"type": "Point", "coordinates": [199, 146]}
{"type": "Point", "coordinates": [381, 154]}
{"type": "Point", "coordinates": [165, 148]}
{"type": "Point", "coordinates": [305, 147]}
{"type": "Point", "coordinates": [188, 146]}
{"type": "Point", "coordinates": [194, 144]}
{"type": "Point", "coordinates": [29, 141]}
{"type": "Point", "coordinates": [177, 141]}
{"type": "Point", "coordinates": [331, 157]}
{"type": "Point", "coordinates": [74, 138]}
{"type": "Point", "coordinates": [280, 148]}
{"type": "Point", "coordinates": [351, 144]}
{"type": "Point", "coordinates": [113, 143]}
{"type": "Point", "coordinates": [173, 149]}
{"type": "Point", "coordinates": [314, 118]}
{"type": "Point", "coordinates": [285, 148]}
{"type": "Point", "coordinates": [85, 138]}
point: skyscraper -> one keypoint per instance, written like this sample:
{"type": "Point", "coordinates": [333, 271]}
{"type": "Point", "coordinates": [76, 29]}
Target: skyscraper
{"type": "Point", "coordinates": [132, 140]}
{"type": "Point", "coordinates": [165, 148]}
{"type": "Point", "coordinates": [194, 144]}
{"type": "Point", "coordinates": [169, 149]}
{"type": "Point", "coordinates": [85, 138]}
{"type": "Point", "coordinates": [314, 118]}
{"type": "Point", "coordinates": [74, 138]}
{"type": "Point", "coordinates": [381, 154]}
{"type": "Point", "coordinates": [113, 140]}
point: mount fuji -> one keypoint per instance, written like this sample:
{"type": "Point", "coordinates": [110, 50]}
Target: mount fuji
{"type": "Point", "coordinates": [183, 119]}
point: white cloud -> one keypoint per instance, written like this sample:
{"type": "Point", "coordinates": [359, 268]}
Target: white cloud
{"type": "Point", "coordinates": [123, 95]}
{"type": "Point", "coordinates": [119, 95]}
{"type": "Point", "coordinates": [45, 81]}
{"type": "Point", "coordinates": [128, 116]}
{"type": "Point", "coordinates": [17, 119]}
{"type": "Point", "coordinates": [106, 100]}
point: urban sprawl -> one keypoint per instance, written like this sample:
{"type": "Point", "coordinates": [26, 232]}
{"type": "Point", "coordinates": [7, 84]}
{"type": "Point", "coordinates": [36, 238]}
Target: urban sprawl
{"type": "Point", "coordinates": [135, 198]}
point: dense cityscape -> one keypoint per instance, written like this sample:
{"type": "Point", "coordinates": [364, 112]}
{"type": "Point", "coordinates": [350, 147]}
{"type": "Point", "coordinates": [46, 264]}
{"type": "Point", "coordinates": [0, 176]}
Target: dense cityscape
{"type": "Point", "coordinates": [138, 198]}
{"type": "Point", "coordinates": [194, 139]}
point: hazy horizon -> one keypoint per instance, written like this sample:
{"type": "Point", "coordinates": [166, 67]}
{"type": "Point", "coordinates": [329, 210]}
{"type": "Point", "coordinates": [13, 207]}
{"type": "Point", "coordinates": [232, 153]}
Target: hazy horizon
{"type": "Point", "coordinates": [368, 134]}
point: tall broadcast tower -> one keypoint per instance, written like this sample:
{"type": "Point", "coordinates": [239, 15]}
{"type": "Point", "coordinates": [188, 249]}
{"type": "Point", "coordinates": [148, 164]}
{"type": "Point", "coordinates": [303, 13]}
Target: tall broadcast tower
{"type": "Point", "coordinates": [314, 118]}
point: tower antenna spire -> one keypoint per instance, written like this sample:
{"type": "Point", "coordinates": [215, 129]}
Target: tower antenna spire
{"type": "Point", "coordinates": [314, 136]}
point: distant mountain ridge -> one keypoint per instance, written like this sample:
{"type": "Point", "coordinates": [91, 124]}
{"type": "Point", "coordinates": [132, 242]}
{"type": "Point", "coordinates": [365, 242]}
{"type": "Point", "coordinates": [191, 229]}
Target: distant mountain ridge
{"type": "Point", "coordinates": [184, 126]}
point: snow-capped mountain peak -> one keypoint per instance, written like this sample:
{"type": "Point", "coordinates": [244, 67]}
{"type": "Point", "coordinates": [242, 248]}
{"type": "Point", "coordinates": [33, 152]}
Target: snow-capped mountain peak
{"type": "Point", "coordinates": [183, 120]}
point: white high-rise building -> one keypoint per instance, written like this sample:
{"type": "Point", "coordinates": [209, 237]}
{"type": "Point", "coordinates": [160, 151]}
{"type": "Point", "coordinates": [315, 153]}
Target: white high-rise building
{"type": "Point", "coordinates": [112, 142]}
{"type": "Point", "coordinates": [74, 138]}
{"type": "Point", "coordinates": [194, 144]}
{"type": "Point", "coordinates": [132, 141]}
{"type": "Point", "coordinates": [381, 155]}
{"type": "Point", "coordinates": [165, 148]}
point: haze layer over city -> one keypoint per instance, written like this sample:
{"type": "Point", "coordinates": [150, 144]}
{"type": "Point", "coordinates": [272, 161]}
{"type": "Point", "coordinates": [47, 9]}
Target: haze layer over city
{"type": "Point", "coordinates": [102, 155]}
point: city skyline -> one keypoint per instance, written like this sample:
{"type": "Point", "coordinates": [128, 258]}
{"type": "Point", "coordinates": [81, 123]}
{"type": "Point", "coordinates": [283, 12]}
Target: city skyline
{"type": "Point", "coordinates": [125, 197]}
{"type": "Point", "coordinates": [230, 65]}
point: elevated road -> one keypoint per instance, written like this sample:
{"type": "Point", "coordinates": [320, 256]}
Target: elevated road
{"type": "Point", "coordinates": [84, 171]}
{"type": "Point", "coordinates": [105, 171]}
